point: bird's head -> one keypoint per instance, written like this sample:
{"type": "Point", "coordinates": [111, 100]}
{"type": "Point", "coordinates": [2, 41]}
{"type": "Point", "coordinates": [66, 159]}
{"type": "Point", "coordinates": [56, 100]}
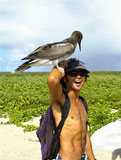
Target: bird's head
{"type": "Point", "coordinates": [76, 35]}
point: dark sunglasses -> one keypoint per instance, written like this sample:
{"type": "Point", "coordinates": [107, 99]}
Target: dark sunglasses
{"type": "Point", "coordinates": [76, 73]}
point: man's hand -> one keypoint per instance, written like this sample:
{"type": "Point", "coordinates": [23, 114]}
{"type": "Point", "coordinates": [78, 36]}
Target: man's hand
{"type": "Point", "coordinates": [62, 66]}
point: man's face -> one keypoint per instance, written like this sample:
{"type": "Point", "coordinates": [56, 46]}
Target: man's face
{"type": "Point", "coordinates": [75, 80]}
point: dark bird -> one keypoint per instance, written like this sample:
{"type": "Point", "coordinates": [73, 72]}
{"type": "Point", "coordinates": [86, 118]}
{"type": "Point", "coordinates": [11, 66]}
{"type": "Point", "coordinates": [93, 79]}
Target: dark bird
{"type": "Point", "coordinates": [52, 53]}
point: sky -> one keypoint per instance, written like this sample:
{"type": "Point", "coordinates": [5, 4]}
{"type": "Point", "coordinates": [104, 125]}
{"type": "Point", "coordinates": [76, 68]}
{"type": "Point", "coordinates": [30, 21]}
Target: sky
{"type": "Point", "coordinates": [27, 24]}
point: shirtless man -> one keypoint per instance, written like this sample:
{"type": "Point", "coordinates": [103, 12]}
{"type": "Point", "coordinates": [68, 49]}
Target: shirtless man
{"type": "Point", "coordinates": [74, 139]}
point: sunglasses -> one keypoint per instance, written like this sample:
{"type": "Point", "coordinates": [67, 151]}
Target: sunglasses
{"type": "Point", "coordinates": [76, 73]}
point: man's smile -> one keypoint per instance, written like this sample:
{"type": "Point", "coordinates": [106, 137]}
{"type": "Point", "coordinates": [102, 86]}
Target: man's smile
{"type": "Point", "coordinates": [78, 81]}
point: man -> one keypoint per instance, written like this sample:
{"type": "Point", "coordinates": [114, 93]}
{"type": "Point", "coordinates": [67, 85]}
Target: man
{"type": "Point", "coordinates": [74, 139]}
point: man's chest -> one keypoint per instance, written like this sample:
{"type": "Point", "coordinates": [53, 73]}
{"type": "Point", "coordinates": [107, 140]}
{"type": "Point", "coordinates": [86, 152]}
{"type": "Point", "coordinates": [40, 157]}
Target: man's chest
{"type": "Point", "coordinates": [77, 112]}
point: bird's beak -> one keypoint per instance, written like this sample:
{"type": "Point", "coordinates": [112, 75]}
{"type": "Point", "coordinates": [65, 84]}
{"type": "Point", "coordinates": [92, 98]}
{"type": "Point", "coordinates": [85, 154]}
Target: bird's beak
{"type": "Point", "coordinates": [79, 42]}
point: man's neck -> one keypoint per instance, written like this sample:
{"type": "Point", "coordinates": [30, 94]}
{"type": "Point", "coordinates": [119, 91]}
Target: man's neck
{"type": "Point", "coordinates": [73, 95]}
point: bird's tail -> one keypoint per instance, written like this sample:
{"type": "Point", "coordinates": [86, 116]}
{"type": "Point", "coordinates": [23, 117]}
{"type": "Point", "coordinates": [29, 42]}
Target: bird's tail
{"type": "Point", "coordinates": [22, 67]}
{"type": "Point", "coordinates": [32, 62]}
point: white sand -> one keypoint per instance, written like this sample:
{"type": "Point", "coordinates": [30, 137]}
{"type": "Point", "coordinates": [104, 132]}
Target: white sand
{"type": "Point", "coordinates": [17, 145]}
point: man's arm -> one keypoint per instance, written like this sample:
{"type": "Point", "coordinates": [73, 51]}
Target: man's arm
{"type": "Point", "coordinates": [54, 78]}
{"type": "Point", "coordinates": [54, 85]}
{"type": "Point", "coordinates": [89, 150]}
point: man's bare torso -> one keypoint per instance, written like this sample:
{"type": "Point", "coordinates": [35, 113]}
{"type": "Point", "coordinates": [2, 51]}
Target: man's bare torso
{"type": "Point", "coordinates": [73, 134]}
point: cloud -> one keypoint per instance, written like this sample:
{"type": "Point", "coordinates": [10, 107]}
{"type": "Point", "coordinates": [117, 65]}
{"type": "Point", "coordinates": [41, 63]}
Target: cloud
{"type": "Point", "coordinates": [34, 18]}
{"type": "Point", "coordinates": [18, 54]}
{"type": "Point", "coordinates": [35, 22]}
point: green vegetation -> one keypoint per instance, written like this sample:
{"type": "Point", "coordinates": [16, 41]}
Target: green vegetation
{"type": "Point", "coordinates": [26, 95]}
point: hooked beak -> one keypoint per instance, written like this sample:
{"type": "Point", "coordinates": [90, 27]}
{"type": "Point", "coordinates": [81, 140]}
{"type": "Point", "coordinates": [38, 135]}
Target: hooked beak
{"type": "Point", "coordinates": [79, 42]}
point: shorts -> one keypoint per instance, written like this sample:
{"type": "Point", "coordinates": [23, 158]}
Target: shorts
{"type": "Point", "coordinates": [59, 158]}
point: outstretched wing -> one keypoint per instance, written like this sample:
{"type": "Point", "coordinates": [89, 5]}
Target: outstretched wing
{"type": "Point", "coordinates": [52, 51]}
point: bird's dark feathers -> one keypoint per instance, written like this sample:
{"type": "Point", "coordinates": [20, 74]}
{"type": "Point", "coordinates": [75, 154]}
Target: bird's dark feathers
{"type": "Point", "coordinates": [51, 50]}
{"type": "Point", "coordinates": [47, 54]}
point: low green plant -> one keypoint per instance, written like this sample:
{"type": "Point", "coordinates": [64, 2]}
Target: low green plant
{"type": "Point", "coordinates": [26, 95]}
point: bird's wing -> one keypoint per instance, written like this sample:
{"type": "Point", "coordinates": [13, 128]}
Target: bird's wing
{"type": "Point", "coordinates": [52, 51]}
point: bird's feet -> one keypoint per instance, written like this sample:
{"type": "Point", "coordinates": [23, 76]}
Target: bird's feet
{"type": "Point", "coordinates": [61, 70]}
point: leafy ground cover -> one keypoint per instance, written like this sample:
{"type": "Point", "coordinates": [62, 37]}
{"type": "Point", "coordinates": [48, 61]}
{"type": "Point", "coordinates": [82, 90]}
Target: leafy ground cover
{"type": "Point", "coordinates": [26, 95]}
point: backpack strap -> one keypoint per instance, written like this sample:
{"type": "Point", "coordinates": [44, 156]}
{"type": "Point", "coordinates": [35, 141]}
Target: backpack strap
{"type": "Point", "coordinates": [84, 102]}
{"type": "Point", "coordinates": [65, 111]}
{"type": "Point", "coordinates": [85, 106]}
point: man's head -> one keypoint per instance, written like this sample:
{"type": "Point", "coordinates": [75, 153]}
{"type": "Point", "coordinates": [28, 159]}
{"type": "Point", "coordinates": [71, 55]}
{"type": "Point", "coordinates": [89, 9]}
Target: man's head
{"type": "Point", "coordinates": [74, 64]}
{"type": "Point", "coordinates": [75, 74]}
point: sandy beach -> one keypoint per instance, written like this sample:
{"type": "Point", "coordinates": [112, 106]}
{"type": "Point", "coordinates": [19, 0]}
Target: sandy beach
{"type": "Point", "coordinates": [15, 144]}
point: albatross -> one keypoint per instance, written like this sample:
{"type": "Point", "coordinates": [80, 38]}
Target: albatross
{"type": "Point", "coordinates": [52, 53]}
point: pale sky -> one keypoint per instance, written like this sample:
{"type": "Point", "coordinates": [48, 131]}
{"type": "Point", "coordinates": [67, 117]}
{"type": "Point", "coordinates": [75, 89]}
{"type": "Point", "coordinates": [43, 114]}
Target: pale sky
{"type": "Point", "coordinates": [28, 24]}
